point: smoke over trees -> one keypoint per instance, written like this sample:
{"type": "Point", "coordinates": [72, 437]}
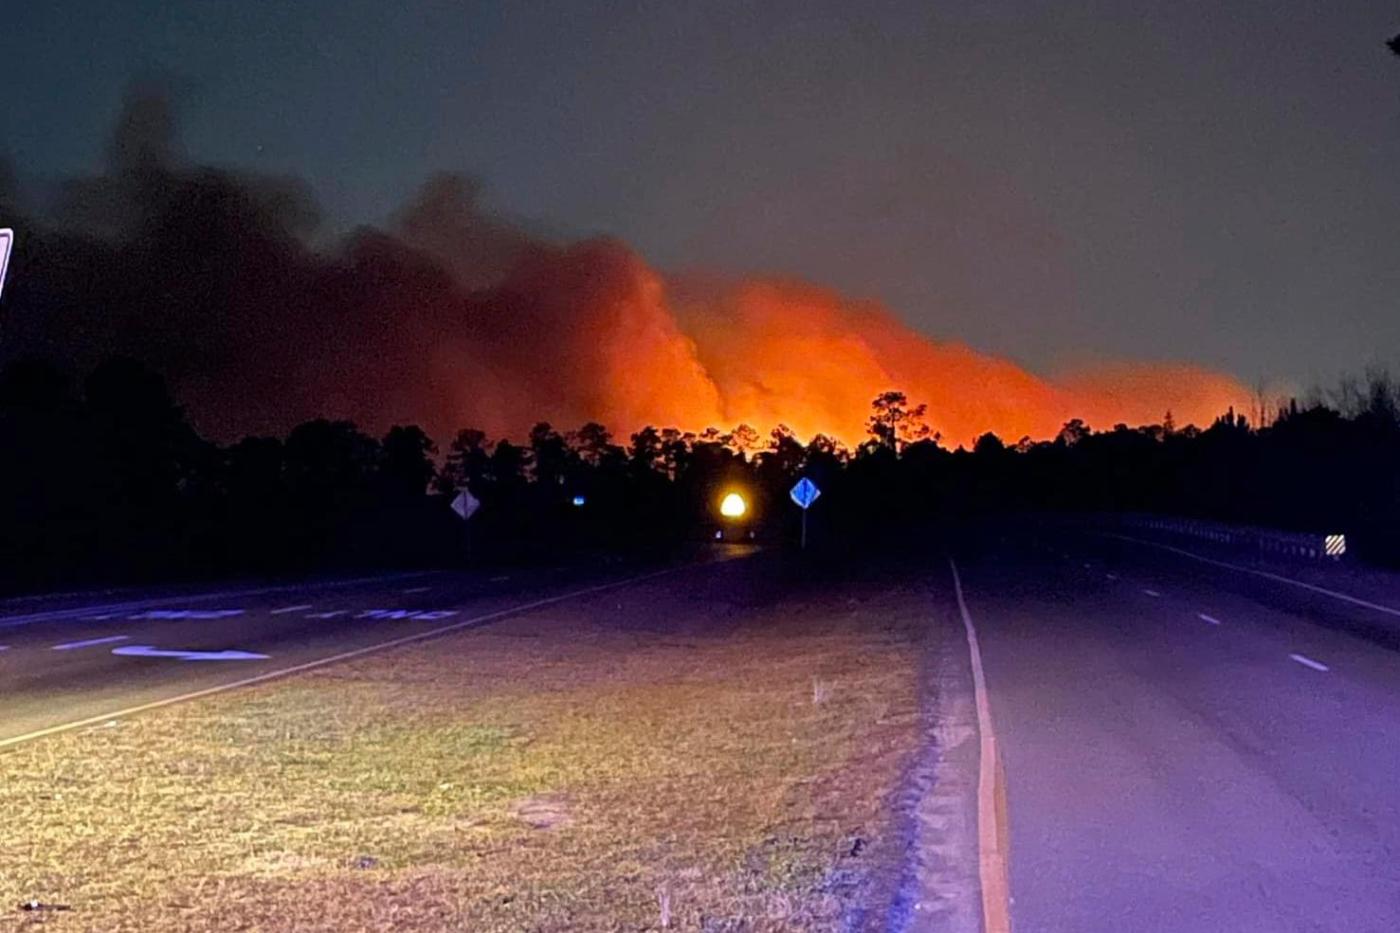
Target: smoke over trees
{"type": "Point", "coordinates": [226, 283]}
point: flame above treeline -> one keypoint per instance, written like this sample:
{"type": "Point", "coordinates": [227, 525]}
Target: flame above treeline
{"type": "Point", "coordinates": [768, 352]}
{"type": "Point", "coordinates": [452, 317]}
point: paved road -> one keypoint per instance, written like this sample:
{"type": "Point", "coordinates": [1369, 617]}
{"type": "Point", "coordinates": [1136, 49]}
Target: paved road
{"type": "Point", "coordinates": [71, 657]}
{"type": "Point", "coordinates": [1189, 747]}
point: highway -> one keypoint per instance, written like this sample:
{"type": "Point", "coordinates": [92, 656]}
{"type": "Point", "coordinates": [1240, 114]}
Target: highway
{"type": "Point", "coordinates": [1189, 746]}
{"type": "Point", "coordinates": [1188, 743]}
{"type": "Point", "coordinates": [74, 658]}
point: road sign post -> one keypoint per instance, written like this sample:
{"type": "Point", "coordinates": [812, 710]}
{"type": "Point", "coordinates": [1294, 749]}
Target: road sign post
{"type": "Point", "coordinates": [804, 494]}
{"type": "Point", "coordinates": [7, 240]}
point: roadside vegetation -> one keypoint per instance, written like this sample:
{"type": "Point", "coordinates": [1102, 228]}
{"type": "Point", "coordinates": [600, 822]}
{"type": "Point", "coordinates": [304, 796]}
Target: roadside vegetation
{"type": "Point", "coordinates": [731, 765]}
{"type": "Point", "coordinates": [114, 484]}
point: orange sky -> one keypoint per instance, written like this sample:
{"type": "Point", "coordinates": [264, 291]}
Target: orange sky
{"type": "Point", "coordinates": [603, 338]}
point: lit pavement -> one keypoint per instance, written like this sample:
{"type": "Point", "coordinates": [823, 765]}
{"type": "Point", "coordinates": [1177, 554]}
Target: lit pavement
{"type": "Point", "coordinates": [1186, 746]}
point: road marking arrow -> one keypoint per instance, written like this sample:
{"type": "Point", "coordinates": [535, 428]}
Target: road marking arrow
{"type": "Point", "coordinates": [151, 651]}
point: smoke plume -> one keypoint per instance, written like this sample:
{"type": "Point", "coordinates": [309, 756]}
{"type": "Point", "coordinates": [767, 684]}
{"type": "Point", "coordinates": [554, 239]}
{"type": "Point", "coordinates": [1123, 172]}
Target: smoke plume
{"type": "Point", "coordinates": [454, 317]}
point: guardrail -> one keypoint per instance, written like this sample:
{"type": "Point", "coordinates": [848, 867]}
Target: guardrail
{"type": "Point", "coordinates": [1295, 544]}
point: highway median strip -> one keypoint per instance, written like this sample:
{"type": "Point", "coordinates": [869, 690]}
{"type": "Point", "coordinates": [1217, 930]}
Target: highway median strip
{"type": "Point", "coordinates": [557, 772]}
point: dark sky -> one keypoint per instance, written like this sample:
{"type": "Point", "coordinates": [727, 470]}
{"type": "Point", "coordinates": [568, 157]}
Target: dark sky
{"type": "Point", "coordinates": [1054, 181]}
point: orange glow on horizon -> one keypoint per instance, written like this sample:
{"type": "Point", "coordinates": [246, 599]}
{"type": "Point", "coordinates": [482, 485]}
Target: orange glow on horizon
{"type": "Point", "coordinates": [766, 353]}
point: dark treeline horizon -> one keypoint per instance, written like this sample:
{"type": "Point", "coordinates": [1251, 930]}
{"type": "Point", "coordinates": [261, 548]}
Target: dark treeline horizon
{"type": "Point", "coordinates": [105, 480]}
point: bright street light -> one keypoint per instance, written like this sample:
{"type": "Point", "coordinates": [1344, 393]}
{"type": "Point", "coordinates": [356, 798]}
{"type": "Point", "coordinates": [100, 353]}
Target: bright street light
{"type": "Point", "coordinates": [733, 506]}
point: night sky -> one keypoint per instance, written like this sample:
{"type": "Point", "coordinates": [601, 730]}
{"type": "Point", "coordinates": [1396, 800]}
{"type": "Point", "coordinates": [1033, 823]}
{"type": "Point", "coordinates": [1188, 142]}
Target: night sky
{"type": "Point", "coordinates": [1051, 181]}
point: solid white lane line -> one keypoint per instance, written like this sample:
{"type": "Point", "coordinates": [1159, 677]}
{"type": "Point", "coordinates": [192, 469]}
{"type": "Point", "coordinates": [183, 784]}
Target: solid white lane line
{"type": "Point", "coordinates": [1153, 593]}
{"type": "Point", "coordinates": [991, 855]}
{"type": "Point", "coordinates": [342, 656]}
{"type": "Point", "coordinates": [69, 646]}
{"type": "Point", "coordinates": [1309, 662]}
{"type": "Point", "coordinates": [417, 589]}
{"type": "Point", "coordinates": [1354, 600]}
{"type": "Point", "coordinates": [286, 609]}
{"type": "Point", "coordinates": [1205, 618]}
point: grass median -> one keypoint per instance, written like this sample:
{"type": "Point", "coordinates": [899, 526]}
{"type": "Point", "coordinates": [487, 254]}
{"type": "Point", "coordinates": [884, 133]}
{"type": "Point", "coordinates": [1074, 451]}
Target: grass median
{"type": "Point", "coordinates": [662, 756]}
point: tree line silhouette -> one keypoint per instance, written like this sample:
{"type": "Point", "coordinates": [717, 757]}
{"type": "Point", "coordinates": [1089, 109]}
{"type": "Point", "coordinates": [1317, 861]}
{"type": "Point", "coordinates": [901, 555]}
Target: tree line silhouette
{"type": "Point", "coordinates": [106, 480]}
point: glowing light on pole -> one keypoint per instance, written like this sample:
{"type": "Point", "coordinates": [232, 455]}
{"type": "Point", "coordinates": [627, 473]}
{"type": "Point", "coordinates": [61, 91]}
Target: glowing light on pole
{"type": "Point", "coordinates": [733, 506]}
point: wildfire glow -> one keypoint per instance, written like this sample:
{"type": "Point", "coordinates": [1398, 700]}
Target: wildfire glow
{"type": "Point", "coordinates": [629, 353]}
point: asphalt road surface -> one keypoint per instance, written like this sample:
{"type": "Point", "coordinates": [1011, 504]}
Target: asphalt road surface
{"type": "Point", "coordinates": [71, 658]}
{"type": "Point", "coordinates": [1190, 746]}
{"type": "Point", "coordinates": [1187, 746]}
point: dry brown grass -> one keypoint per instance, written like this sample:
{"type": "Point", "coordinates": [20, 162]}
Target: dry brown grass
{"type": "Point", "coordinates": [554, 772]}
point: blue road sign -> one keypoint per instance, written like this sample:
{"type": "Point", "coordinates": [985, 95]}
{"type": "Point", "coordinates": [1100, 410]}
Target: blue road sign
{"type": "Point", "coordinates": [804, 493]}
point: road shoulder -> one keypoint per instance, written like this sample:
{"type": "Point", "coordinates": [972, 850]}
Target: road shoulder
{"type": "Point", "coordinates": [940, 889]}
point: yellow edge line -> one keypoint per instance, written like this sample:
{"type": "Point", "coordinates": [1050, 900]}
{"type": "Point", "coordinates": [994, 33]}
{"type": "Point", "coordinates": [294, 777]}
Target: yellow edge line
{"type": "Point", "coordinates": [993, 848]}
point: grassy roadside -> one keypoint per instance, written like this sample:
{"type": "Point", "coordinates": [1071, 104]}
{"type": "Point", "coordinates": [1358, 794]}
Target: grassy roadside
{"type": "Point", "coordinates": [576, 768]}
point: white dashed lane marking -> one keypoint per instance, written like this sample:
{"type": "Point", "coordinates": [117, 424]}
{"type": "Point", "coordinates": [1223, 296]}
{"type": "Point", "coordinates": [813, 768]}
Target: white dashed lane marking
{"type": "Point", "coordinates": [1111, 576]}
{"type": "Point", "coordinates": [1345, 597]}
{"type": "Point", "coordinates": [69, 646]}
{"type": "Point", "coordinates": [1309, 662]}
{"type": "Point", "coordinates": [328, 615]}
{"type": "Point", "coordinates": [1205, 618]}
{"type": "Point", "coordinates": [172, 614]}
{"type": "Point", "coordinates": [336, 658]}
{"type": "Point", "coordinates": [286, 609]}
{"type": "Point", "coordinates": [1153, 593]}
{"type": "Point", "coordinates": [417, 589]}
